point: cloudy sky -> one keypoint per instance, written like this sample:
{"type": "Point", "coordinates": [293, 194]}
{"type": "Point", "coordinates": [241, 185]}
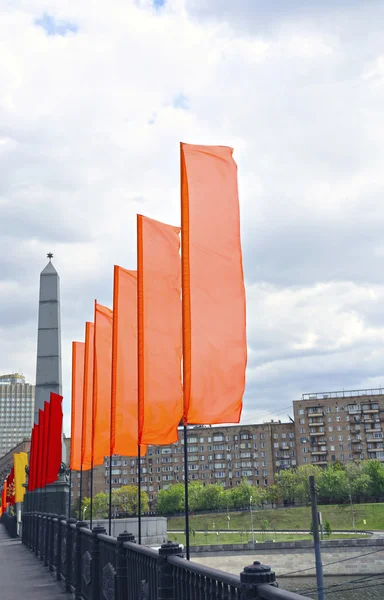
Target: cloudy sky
{"type": "Point", "coordinates": [94, 99]}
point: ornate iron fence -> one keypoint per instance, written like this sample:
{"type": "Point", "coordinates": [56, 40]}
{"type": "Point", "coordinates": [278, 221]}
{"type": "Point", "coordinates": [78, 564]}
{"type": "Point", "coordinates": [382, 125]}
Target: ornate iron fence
{"type": "Point", "coordinates": [95, 566]}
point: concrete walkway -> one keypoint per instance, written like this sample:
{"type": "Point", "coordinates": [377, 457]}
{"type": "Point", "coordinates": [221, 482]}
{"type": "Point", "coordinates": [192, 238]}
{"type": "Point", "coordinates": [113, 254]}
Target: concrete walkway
{"type": "Point", "coordinates": [22, 575]}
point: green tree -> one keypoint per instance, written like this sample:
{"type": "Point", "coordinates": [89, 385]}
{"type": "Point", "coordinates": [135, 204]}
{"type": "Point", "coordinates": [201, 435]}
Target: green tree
{"type": "Point", "coordinates": [171, 500]}
{"type": "Point", "coordinates": [332, 484]}
{"type": "Point", "coordinates": [212, 497]}
{"type": "Point", "coordinates": [272, 494]}
{"type": "Point", "coordinates": [125, 499]}
{"type": "Point", "coordinates": [375, 471]}
{"type": "Point", "coordinates": [286, 482]}
{"type": "Point", "coordinates": [100, 506]}
{"type": "Point", "coordinates": [327, 528]}
{"type": "Point", "coordinates": [242, 493]}
{"type": "Point", "coordinates": [358, 481]}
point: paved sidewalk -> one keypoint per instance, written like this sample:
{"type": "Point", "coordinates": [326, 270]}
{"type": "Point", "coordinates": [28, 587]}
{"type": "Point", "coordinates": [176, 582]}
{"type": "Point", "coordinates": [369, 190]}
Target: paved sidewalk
{"type": "Point", "coordinates": [22, 575]}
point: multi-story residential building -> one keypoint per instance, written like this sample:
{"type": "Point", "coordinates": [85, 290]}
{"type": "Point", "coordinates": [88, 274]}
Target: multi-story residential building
{"type": "Point", "coordinates": [7, 461]}
{"type": "Point", "coordinates": [225, 454]}
{"type": "Point", "coordinates": [339, 426]}
{"type": "Point", "coordinates": [16, 410]}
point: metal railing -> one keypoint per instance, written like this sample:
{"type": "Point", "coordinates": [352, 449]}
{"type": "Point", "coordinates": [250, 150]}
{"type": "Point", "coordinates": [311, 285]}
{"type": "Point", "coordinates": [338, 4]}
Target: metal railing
{"type": "Point", "coordinates": [95, 566]}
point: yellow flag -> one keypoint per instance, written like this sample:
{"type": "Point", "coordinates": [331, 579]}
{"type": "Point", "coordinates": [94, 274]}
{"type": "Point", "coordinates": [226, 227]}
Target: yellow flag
{"type": "Point", "coordinates": [20, 462]}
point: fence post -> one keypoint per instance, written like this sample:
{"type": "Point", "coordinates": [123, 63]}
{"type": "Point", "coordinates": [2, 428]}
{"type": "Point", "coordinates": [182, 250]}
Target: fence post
{"type": "Point", "coordinates": [59, 545]}
{"type": "Point", "coordinates": [164, 570]}
{"type": "Point", "coordinates": [253, 576]}
{"type": "Point", "coordinates": [69, 560]}
{"type": "Point", "coordinates": [121, 565]}
{"type": "Point", "coordinates": [52, 542]}
{"type": "Point", "coordinates": [79, 524]}
{"type": "Point", "coordinates": [95, 554]}
{"type": "Point", "coordinates": [37, 534]}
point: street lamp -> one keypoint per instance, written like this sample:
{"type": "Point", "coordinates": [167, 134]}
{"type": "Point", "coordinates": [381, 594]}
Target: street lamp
{"type": "Point", "coordinates": [84, 511]}
{"type": "Point", "coordinates": [250, 508]}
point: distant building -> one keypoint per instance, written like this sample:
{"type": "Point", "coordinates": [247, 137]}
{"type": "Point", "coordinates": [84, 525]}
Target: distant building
{"type": "Point", "coordinates": [17, 400]}
{"type": "Point", "coordinates": [6, 461]}
{"type": "Point", "coordinates": [341, 426]}
{"type": "Point", "coordinates": [225, 455]}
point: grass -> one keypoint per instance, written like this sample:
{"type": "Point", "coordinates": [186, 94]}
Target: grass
{"type": "Point", "coordinates": [202, 539]}
{"type": "Point", "coordinates": [290, 519]}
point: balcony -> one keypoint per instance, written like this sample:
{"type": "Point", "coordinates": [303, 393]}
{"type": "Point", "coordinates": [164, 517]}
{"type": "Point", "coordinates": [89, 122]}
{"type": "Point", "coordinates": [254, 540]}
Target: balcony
{"type": "Point", "coordinates": [373, 430]}
{"type": "Point", "coordinates": [368, 411]}
{"type": "Point", "coordinates": [320, 462]}
{"type": "Point", "coordinates": [316, 433]}
{"type": "Point", "coordinates": [317, 424]}
{"type": "Point", "coordinates": [284, 447]}
{"type": "Point", "coordinates": [379, 449]}
{"type": "Point", "coordinates": [318, 413]}
{"type": "Point", "coordinates": [318, 452]}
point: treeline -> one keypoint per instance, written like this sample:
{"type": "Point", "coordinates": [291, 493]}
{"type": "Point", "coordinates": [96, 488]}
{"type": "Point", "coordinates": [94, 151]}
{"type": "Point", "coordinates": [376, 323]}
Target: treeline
{"type": "Point", "coordinates": [124, 501]}
{"type": "Point", "coordinates": [363, 481]}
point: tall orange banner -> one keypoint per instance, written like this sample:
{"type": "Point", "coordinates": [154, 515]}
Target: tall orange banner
{"type": "Point", "coordinates": [102, 373]}
{"type": "Point", "coordinates": [214, 329]}
{"type": "Point", "coordinates": [78, 352]}
{"type": "Point", "coordinates": [159, 331]}
{"type": "Point", "coordinates": [124, 437]}
{"type": "Point", "coordinates": [87, 424]}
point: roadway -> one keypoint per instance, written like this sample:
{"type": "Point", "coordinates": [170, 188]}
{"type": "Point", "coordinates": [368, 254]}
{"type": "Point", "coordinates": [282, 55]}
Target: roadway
{"type": "Point", "coordinates": [22, 575]}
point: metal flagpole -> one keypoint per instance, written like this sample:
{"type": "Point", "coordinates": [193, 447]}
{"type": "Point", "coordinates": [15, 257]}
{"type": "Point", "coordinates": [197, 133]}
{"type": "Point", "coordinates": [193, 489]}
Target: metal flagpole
{"type": "Point", "coordinates": [70, 493]}
{"type": "Point", "coordinates": [91, 496]}
{"type": "Point", "coordinates": [139, 491]}
{"type": "Point", "coordinates": [110, 495]}
{"type": "Point", "coordinates": [186, 507]}
{"type": "Point", "coordinates": [81, 492]}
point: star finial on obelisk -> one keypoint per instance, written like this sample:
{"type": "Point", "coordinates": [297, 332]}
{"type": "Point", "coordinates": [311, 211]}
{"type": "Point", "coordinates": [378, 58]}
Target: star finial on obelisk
{"type": "Point", "coordinates": [50, 256]}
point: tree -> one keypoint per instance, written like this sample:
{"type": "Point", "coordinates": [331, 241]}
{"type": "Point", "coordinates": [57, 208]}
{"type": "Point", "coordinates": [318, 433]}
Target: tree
{"type": "Point", "coordinates": [212, 497]}
{"type": "Point", "coordinates": [358, 481]}
{"type": "Point", "coordinates": [327, 528]}
{"type": "Point", "coordinates": [242, 493]}
{"type": "Point", "coordinates": [171, 500]}
{"type": "Point", "coordinates": [100, 506]}
{"type": "Point", "coordinates": [332, 484]}
{"type": "Point", "coordinates": [272, 494]}
{"type": "Point", "coordinates": [125, 500]}
{"type": "Point", "coordinates": [375, 471]}
{"type": "Point", "coordinates": [287, 485]}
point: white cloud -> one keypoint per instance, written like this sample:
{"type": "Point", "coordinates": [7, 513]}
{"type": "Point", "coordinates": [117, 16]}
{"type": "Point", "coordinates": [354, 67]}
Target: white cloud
{"type": "Point", "coordinates": [89, 129]}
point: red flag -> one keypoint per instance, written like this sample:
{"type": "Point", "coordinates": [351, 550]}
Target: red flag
{"type": "Point", "coordinates": [4, 497]}
{"type": "Point", "coordinates": [32, 459]}
{"type": "Point", "coordinates": [46, 427]}
{"type": "Point", "coordinates": [214, 333]}
{"type": "Point", "coordinates": [160, 393]}
{"type": "Point", "coordinates": [78, 349]}
{"type": "Point", "coordinates": [39, 464]}
{"type": "Point", "coordinates": [10, 493]}
{"type": "Point", "coordinates": [102, 373]}
{"type": "Point", "coordinates": [55, 438]}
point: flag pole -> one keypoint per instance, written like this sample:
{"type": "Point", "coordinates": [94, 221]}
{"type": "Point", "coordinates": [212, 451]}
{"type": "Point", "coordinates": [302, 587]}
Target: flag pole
{"type": "Point", "coordinates": [93, 415]}
{"type": "Point", "coordinates": [81, 491]}
{"type": "Point", "coordinates": [139, 491]}
{"type": "Point", "coordinates": [186, 507]}
{"type": "Point", "coordinates": [186, 333]}
{"type": "Point", "coordinates": [70, 493]}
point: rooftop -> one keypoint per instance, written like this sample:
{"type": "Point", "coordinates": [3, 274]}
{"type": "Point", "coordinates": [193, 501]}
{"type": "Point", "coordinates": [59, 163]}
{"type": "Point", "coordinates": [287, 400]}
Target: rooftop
{"type": "Point", "coordinates": [343, 394]}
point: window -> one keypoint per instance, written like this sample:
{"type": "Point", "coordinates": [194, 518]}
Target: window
{"type": "Point", "coordinates": [338, 418]}
{"type": "Point", "coordinates": [276, 444]}
{"type": "Point", "coordinates": [330, 428]}
{"type": "Point", "coordinates": [300, 411]}
{"type": "Point", "coordinates": [302, 421]}
{"type": "Point", "coordinates": [341, 456]}
{"type": "Point", "coordinates": [340, 438]}
{"type": "Point", "coordinates": [275, 436]}
{"type": "Point", "coordinates": [283, 435]}
{"type": "Point", "coordinates": [302, 429]}
{"type": "Point", "coordinates": [341, 446]}
{"type": "Point", "coordinates": [332, 448]}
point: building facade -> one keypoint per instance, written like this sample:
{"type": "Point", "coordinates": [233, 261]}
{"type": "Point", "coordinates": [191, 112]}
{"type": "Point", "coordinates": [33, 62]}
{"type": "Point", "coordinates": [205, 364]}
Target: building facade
{"type": "Point", "coordinates": [17, 400]}
{"type": "Point", "coordinates": [7, 461]}
{"type": "Point", "coordinates": [225, 455]}
{"type": "Point", "coordinates": [339, 426]}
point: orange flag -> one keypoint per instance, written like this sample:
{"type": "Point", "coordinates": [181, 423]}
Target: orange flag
{"type": "Point", "coordinates": [124, 437]}
{"type": "Point", "coordinates": [159, 331]}
{"type": "Point", "coordinates": [87, 425]}
{"type": "Point", "coordinates": [214, 330]}
{"type": "Point", "coordinates": [102, 373]}
{"type": "Point", "coordinates": [78, 351]}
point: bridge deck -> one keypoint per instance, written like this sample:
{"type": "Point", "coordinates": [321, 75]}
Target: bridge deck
{"type": "Point", "coordinates": [22, 575]}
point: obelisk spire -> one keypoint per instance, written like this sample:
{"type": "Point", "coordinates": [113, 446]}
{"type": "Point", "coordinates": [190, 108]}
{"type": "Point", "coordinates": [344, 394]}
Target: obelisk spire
{"type": "Point", "coordinates": [48, 364]}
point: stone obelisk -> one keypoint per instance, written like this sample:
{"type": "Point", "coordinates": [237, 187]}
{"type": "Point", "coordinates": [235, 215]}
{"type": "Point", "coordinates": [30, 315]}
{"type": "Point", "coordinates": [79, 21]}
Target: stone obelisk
{"type": "Point", "coordinates": [54, 498]}
{"type": "Point", "coordinates": [48, 364]}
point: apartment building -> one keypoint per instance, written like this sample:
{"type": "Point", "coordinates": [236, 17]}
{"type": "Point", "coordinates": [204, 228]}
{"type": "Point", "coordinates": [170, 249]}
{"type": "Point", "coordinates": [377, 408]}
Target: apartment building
{"type": "Point", "coordinates": [339, 426]}
{"type": "Point", "coordinates": [17, 400]}
{"type": "Point", "coordinates": [223, 455]}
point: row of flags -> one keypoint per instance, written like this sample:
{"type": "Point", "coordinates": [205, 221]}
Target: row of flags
{"type": "Point", "coordinates": [173, 347]}
{"type": "Point", "coordinates": [13, 487]}
{"type": "Point", "coordinates": [46, 445]}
